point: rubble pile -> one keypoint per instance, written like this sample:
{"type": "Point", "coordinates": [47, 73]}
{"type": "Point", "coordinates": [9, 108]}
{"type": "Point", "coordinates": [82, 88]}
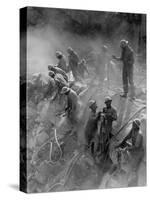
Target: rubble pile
{"type": "Point", "coordinates": [56, 157]}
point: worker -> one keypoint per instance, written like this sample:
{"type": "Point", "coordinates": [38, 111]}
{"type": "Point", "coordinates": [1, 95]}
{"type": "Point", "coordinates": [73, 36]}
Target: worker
{"type": "Point", "coordinates": [62, 64]}
{"type": "Point", "coordinates": [127, 57]}
{"type": "Point", "coordinates": [82, 68]}
{"type": "Point", "coordinates": [59, 83]}
{"type": "Point", "coordinates": [110, 115]}
{"type": "Point", "coordinates": [73, 60]}
{"type": "Point", "coordinates": [91, 126]}
{"type": "Point", "coordinates": [133, 143]}
{"type": "Point", "coordinates": [57, 70]}
{"type": "Point", "coordinates": [51, 86]}
{"type": "Point", "coordinates": [72, 104]}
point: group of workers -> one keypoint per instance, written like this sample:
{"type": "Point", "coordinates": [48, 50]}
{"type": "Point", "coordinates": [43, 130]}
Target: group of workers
{"type": "Point", "coordinates": [98, 129]}
{"type": "Point", "coordinates": [75, 65]}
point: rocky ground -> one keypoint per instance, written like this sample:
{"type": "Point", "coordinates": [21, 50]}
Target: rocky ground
{"type": "Point", "coordinates": [56, 158]}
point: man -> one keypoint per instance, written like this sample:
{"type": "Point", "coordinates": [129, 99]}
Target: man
{"type": "Point", "coordinates": [82, 68]}
{"type": "Point", "coordinates": [127, 57]}
{"type": "Point", "coordinates": [133, 143]}
{"type": "Point", "coordinates": [72, 104]}
{"type": "Point", "coordinates": [73, 60]}
{"type": "Point", "coordinates": [58, 83]}
{"type": "Point", "coordinates": [51, 86]}
{"type": "Point", "coordinates": [110, 115]}
{"type": "Point", "coordinates": [62, 64]}
{"type": "Point", "coordinates": [57, 70]}
{"type": "Point", "coordinates": [92, 124]}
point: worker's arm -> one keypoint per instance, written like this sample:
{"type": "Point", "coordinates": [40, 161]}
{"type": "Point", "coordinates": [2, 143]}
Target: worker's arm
{"type": "Point", "coordinates": [114, 115]}
{"type": "Point", "coordinates": [118, 58]}
{"type": "Point", "coordinates": [123, 143]}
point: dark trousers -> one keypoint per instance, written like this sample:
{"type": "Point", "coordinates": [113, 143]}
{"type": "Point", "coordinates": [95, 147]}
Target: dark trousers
{"type": "Point", "coordinates": [127, 78]}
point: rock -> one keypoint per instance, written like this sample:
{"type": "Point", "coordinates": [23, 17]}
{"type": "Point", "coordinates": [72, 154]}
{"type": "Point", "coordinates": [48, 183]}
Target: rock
{"type": "Point", "coordinates": [41, 138]}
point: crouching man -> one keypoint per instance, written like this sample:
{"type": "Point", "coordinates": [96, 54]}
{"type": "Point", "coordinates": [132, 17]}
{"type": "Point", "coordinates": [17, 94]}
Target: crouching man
{"type": "Point", "coordinates": [133, 144]}
{"type": "Point", "coordinates": [72, 105]}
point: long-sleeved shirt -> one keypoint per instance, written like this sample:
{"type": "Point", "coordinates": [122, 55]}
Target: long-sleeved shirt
{"type": "Point", "coordinates": [110, 116]}
{"type": "Point", "coordinates": [57, 70]}
{"type": "Point", "coordinates": [73, 60]}
{"type": "Point", "coordinates": [62, 64]}
{"type": "Point", "coordinates": [127, 56]}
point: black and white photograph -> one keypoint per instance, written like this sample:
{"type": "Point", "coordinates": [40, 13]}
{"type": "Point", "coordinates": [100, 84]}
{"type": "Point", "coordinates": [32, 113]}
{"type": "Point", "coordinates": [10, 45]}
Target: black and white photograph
{"type": "Point", "coordinates": [82, 99]}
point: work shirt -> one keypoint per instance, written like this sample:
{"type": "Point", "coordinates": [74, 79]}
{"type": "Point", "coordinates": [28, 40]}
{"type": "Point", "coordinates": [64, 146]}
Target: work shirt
{"type": "Point", "coordinates": [73, 60]}
{"type": "Point", "coordinates": [110, 116]}
{"type": "Point", "coordinates": [60, 81]}
{"type": "Point", "coordinates": [72, 106]}
{"type": "Point", "coordinates": [82, 68]}
{"type": "Point", "coordinates": [57, 70]}
{"type": "Point", "coordinates": [127, 56]}
{"type": "Point", "coordinates": [62, 64]}
{"type": "Point", "coordinates": [51, 87]}
{"type": "Point", "coordinates": [91, 126]}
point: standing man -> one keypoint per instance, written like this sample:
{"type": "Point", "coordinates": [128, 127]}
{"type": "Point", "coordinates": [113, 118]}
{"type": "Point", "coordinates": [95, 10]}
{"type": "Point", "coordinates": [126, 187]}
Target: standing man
{"type": "Point", "coordinates": [82, 68]}
{"type": "Point", "coordinates": [72, 104]}
{"type": "Point", "coordinates": [73, 60]}
{"type": "Point", "coordinates": [110, 115]}
{"type": "Point", "coordinates": [62, 64]}
{"type": "Point", "coordinates": [127, 57]}
{"type": "Point", "coordinates": [91, 127]}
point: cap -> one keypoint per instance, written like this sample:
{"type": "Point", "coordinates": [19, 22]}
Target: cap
{"type": "Point", "coordinates": [137, 122]}
{"type": "Point", "coordinates": [123, 42]}
{"type": "Point", "coordinates": [65, 90]}
{"type": "Point", "coordinates": [50, 67]}
{"type": "Point", "coordinates": [51, 73]}
{"type": "Point", "coordinates": [107, 99]}
{"type": "Point", "coordinates": [69, 49]}
{"type": "Point", "coordinates": [91, 103]}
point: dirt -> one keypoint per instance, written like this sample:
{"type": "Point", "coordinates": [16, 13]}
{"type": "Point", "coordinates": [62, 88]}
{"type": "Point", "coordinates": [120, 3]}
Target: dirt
{"type": "Point", "coordinates": [68, 166]}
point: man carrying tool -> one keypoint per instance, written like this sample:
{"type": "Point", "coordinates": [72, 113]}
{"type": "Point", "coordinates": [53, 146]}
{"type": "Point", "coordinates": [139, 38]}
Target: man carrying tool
{"type": "Point", "coordinates": [62, 64]}
{"type": "Point", "coordinates": [72, 106]}
{"type": "Point", "coordinates": [127, 57]}
{"type": "Point", "coordinates": [57, 70]}
{"type": "Point", "coordinates": [73, 60]}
